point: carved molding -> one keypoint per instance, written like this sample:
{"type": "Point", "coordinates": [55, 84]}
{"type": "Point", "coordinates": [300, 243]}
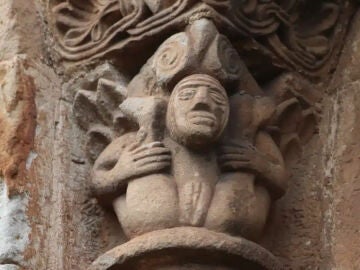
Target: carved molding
{"type": "Point", "coordinates": [191, 244]}
{"type": "Point", "coordinates": [280, 30]}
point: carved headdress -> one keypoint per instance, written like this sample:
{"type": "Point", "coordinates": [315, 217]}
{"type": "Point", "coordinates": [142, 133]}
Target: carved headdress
{"type": "Point", "coordinates": [199, 50]}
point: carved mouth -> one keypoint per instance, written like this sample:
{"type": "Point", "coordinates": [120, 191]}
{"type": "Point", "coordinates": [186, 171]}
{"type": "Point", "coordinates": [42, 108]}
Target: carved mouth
{"type": "Point", "coordinates": [202, 118]}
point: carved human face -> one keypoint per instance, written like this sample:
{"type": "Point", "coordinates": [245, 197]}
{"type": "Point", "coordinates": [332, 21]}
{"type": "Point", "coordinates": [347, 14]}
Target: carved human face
{"type": "Point", "coordinates": [198, 111]}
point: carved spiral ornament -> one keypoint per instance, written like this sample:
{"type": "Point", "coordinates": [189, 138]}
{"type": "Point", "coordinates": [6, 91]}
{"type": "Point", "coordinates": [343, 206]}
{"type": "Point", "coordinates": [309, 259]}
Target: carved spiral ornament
{"type": "Point", "coordinates": [172, 56]}
{"type": "Point", "coordinates": [229, 57]}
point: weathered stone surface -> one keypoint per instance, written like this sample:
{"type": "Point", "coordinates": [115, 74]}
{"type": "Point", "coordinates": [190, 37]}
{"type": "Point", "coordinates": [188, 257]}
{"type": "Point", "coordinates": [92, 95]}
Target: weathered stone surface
{"type": "Point", "coordinates": [18, 31]}
{"type": "Point", "coordinates": [50, 216]}
{"type": "Point", "coordinates": [18, 122]}
{"type": "Point", "coordinates": [341, 132]}
{"type": "Point", "coordinates": [348, 68]}
{"type": "Point", "coordinates": [195, 151]}
{"type": "Point", "coordinates": [20, 51]}
{"type": "Point", "coordinates": [85, 30]}
{"type": "Point", "coordinates": [9, 267]}
{"type": "Point", "coordinates": [344, 184]}
{"type": "Point", "coordinates": [187, 248]}
{"type": "Point", "coordinates": [14, 229]}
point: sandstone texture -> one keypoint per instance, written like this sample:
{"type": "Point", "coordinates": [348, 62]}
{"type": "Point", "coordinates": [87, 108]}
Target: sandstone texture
{"type": "Point", "coordinates": [179, 135]}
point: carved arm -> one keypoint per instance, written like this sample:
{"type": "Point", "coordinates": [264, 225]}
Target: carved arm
{"type": "Point", "coordinates": [264, 160]}
{"type": "Point", "coordinates": [270, 167]}
{"type": "Point", "coordinates": [126, 159]}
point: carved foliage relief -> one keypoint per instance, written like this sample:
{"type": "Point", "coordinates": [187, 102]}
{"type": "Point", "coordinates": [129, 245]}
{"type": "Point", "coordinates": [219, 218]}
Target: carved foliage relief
{"type": "Point", "coordinates": [281, 30]}
{"type": "Point", "coordinates": [192, 150]}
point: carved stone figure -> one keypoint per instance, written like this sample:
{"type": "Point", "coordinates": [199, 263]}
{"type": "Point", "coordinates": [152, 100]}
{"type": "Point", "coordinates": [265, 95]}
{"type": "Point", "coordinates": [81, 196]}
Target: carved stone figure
{"type": "Point", "coordinates": [198, 154]}
{"type": "Point", "coordinates": [192, 150]}
{"type": "Point", "coordinates": [196, 118]}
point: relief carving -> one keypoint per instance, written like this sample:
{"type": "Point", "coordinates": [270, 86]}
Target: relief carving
{"type": "Point", "coordinates": [192, 151]}
{"type": "Point", "coordinates": [281, 30]}
{"type": "Point", "coordinates": [200, 149]}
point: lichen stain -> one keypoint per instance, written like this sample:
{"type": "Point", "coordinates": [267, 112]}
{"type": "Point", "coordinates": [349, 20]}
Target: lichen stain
{"type": "Point", "coordinates": [17, 124]}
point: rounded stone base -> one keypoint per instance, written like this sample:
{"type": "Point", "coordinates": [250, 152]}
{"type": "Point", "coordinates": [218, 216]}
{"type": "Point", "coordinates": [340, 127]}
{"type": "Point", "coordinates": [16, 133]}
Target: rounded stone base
{"type": "Point", "coordinates": [187, 248]}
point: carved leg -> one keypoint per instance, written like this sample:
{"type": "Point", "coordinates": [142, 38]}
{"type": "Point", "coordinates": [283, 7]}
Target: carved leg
{"type": "Point", "coordinates": [151, 204]}
{"type": "Point", "coordinates": [121, 211]}
{"type": "Point", "coordinates": [239, 207]}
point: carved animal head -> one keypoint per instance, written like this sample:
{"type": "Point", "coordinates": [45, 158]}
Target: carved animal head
{"type": "Point", "coordinates": [149, 114]}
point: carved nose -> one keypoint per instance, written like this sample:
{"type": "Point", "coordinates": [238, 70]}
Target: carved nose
{"type": "Point", "coordinates": [201, 106]}
{"type": "Point", "coordinates": [201, 99]}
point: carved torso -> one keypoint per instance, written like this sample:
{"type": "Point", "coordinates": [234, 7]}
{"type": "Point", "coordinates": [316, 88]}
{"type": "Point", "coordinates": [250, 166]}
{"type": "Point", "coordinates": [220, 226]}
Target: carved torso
{"type": "Point", "coordinates": [196, 175]}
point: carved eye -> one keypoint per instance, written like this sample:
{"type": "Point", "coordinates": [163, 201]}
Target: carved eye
{"type": "Point", "coordinates": [218, 98]}
{"type": "Point", "coordinates": [187, 94]}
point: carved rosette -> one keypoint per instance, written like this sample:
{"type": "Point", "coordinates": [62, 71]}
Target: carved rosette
{"type": "Point", "coordinates": [192, 151]}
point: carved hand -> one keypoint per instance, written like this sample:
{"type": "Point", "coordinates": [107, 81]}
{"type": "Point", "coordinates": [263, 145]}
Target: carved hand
{"type": "Point", "coordinates": [138, 160]}
{"type": "Point", "coordinates": [112, 172]}
{"type": "Point", "coordinates": [240, 156]}
{"type": "Point", "coordinates": [246, 157]}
